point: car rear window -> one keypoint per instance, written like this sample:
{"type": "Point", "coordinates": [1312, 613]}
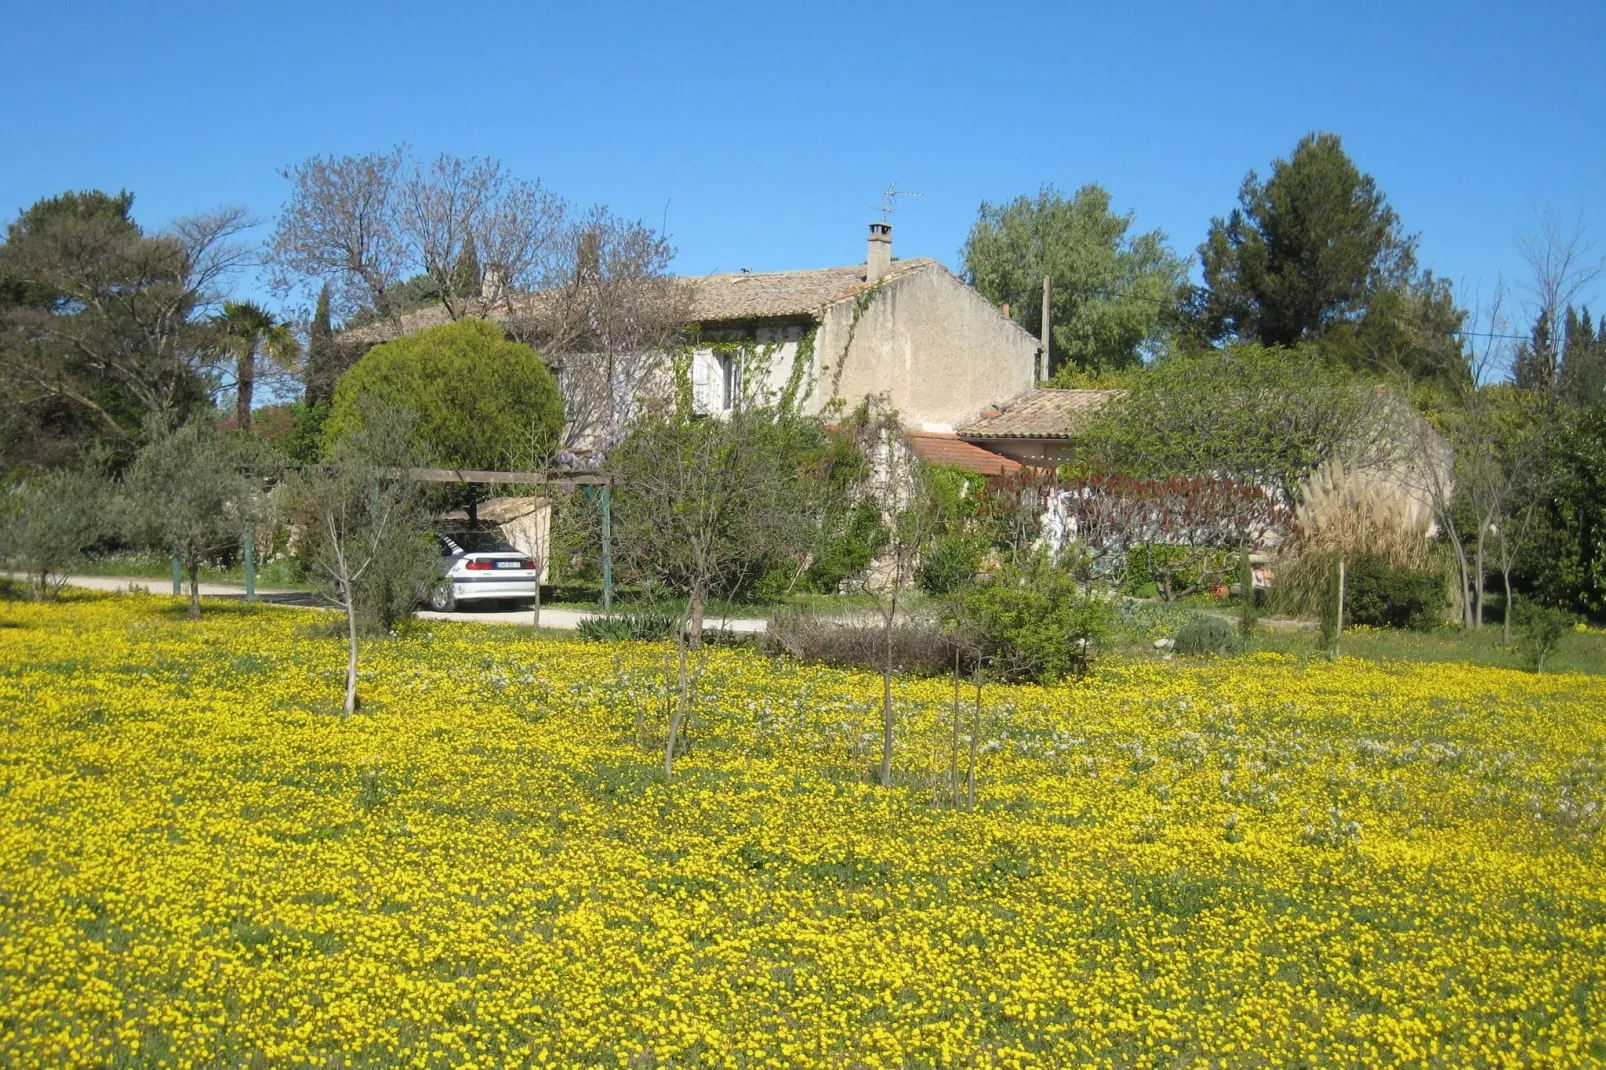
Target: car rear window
{"type": "Point", "coordinates": [473, 542]}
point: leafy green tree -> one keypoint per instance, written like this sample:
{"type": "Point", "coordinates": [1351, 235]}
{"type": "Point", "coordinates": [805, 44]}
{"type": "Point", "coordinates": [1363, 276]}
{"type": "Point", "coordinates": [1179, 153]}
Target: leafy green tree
{"type": "Point", "coordinates": [189, 492]}
{"type": "Point", "coordinates": [50, 523]}
{"type": "Point", "coordinates": [1114, 294]}
{"type": "Point", "coordinates": [101, 324]}
{"type": "Point", "coordinates": [479, 400]}
{"type": "Point", "coordinates": [249, 331]}
{"type": "Point", "coordinates": [1316, 247]}
{"type": "Point", "coordinates": [1260, 415]}
{"type": "Point", "coordinates": [1568, 564]}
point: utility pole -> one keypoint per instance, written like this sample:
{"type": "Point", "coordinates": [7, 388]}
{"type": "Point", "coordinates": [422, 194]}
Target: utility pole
{"type": "Point", "coordinates": [1048, 294]}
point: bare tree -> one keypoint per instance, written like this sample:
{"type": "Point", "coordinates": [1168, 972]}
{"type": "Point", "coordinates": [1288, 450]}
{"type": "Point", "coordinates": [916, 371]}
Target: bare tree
{"type": "Point", "coordinates": [361, 517]}
{"type": "Point", "coordinates": [610, 314]}
{"type": "Point", "coordinates": [899, 485]}
{"type": "Point", "coordinates": [366, 223]}
{"type": "Point", "coordinates": [1562, 264]}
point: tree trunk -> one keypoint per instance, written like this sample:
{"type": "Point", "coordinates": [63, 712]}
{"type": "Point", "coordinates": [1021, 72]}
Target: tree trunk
{"type": "Point", "coordinates": [886, 702]}
{"type": "Point", "coordinates": [1478, 577]}
{"type": "Point", "coordinates": [1505, 625]}
{"type": "Point", "coordinates": [698, 599]}
{"type": "Point", "coordinates": [246, 386]}
{"type": "Point", "coordinates": [1464, 572]}
{"type": "Point", "coordinates": [975, 741]}
{"type": "Point", "coordinates": [953, 742]}
{"type": "Point", "coordinates": [195, 589]}
{"type": "Point", "coordinates": [351, 654]}
{"type": "Point", "coordinates": [679, 716]}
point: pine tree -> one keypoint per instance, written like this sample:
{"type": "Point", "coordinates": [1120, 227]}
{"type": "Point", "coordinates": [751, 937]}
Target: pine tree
{"type": "Point", "coordinates": [1582, 379]}
{"type": "Point", "coordinates": [321, 371]}
{"type": "Point", "coordinates": [466, 272]}
{"type": "Point", "coordinates": [1534, 367]}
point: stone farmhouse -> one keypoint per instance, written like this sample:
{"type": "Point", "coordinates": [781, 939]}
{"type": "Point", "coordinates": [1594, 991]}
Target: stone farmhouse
{"type": "Point", "coordinates": [910, 330]}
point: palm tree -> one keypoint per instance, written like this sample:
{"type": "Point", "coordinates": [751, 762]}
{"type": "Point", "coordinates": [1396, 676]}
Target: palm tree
{"type": "Point", "coordinates": [249, 329]}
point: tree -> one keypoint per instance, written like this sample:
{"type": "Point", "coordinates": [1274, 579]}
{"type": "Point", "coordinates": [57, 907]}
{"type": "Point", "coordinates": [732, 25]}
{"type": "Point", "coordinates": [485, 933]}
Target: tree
{"type": "Point", "coordinates": [1259, 415]}
{"type": "Point", "coordinates": [1561, 264]}
{"type": "Point", "coordinates": [480, 401]}
{"type": "Point", "coordinates": [1114, 294]}
{"type": "Point", "coordinates": [1304, 251]}
{"type": "Point", "coordinates": [103, 325]}
{"type": "Point", "coordinates": [323, 367]}
{"type": "Point", "coordinates": [899, 486]}
{"type": "Point", "coordinates": [467, 275]}
{"type": "Point", "coordinates": [367, 532]}
{"type": "Point", "coordinates": [249, 330]}
{"type": "Point", "coordinates": [51, 522]}
{"type": "Point", "coordinates": [365, 223]}
{"type": "Point", "coordinates": [189, 491]}
{"type": "Point", "coordinates": [1570, 534]}
{"type": "Point", "coordinates": [610, 313]}
{"type": "Point", "coordinates": [703, 506]}
{"type": "Point", "coordinates": [1582, 377]}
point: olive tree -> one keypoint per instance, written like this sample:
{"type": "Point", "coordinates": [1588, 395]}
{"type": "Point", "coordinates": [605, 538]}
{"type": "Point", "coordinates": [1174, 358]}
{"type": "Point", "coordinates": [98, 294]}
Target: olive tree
{"type": "Point", "coordinates": [367, 533]}
{"type": "Point", "coordinates": [190, 491]}
{"type": "Point", "coordinates": [47, 525]}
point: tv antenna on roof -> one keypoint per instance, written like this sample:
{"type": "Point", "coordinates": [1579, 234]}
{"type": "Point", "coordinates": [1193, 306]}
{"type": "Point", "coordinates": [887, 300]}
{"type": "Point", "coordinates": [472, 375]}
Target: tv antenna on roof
{"type": "Point", "coordinates": [889, 199]}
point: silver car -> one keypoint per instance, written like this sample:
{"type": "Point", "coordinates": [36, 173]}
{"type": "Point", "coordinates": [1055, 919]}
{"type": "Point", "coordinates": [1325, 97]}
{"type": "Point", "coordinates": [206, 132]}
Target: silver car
{"type": "Point", "coordinates": [478, 565]}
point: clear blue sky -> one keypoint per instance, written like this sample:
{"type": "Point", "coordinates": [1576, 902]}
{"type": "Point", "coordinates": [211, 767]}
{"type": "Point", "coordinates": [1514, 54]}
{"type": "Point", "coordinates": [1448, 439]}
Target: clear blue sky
{"type": "Point", "coordinates": [768, 130]}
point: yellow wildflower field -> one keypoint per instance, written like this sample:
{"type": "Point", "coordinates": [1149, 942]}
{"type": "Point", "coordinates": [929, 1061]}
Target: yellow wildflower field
{"type": "Point", "coordinates": [1247, 862]}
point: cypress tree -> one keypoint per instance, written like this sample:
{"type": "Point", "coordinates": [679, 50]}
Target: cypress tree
{"type": "Point", "coordinates": [466, 272]}
{"type": "Point", "coordinates": [321, 371]}
{"type": "Point", "coordinates": [1583, 360]}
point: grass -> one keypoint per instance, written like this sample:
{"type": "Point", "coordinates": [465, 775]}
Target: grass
{"type": "Point", "coordinates": [144, 564]}
{"type": "Point", "coordinates": [1262, 860]}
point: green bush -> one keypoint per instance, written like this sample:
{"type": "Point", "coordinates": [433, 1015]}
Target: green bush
{"type": "Point", "coordinates": [1035, 623]}
{"type": "Point", "coordinates": [627, 625]}
{"type": "Point", "coordinates": [949, 563]}
{"type": "Point", "coordinates": [1204, 634]}
{"type": "Point", "coordinates": [1540, 630]}
{"type": "Point", "coordinates": [480, 400]}
{"type": "Point", "coordinates": [1382, 595]}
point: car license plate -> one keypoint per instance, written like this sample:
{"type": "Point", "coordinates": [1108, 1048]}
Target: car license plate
{"type": "Point", "coordinates": [507, 564]}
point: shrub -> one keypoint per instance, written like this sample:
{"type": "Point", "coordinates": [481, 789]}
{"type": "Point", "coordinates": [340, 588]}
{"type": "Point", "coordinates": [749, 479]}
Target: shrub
{"type": "Point", "coordinates": [918, 646]}
{"type": "Point", "coordinates": [950, 563]}
{"type": "Point", "coordinates": [1382, 595]}
{"type": "Point", "coordinates": [1035, 622]}
{"type": "Point", "coordinates": [1540, 629]}
{"type": "Point", "coordinates": [1204, 634]}
{"type": "Point", "coordinates": [480, 400]}
{"type": "Point", "coordinates": [627, 625]}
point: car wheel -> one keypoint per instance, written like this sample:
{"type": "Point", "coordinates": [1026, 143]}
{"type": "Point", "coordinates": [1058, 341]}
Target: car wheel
{"type": "Point", "coordinates": [442, 599]}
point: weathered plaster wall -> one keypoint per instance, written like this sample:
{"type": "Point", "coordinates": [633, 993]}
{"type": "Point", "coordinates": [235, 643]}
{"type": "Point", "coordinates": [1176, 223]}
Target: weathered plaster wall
{"type": "Point", "coordinates": [937, 348]}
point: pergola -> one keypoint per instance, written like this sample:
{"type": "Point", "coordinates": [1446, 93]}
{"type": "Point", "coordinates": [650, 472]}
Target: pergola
{"type": "Point", "coordinates": [592, 484]}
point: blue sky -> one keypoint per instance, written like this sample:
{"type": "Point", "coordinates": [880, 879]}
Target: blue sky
{"type": "Point", "coordinates": [763, 133]}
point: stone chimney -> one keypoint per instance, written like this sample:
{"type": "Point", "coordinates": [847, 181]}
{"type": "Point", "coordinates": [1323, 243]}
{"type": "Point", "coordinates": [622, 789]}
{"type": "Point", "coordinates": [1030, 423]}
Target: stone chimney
{"type": "Point", "coordinates": [880, 261]}
{"type": "Point", "coordinates": [492, 284]}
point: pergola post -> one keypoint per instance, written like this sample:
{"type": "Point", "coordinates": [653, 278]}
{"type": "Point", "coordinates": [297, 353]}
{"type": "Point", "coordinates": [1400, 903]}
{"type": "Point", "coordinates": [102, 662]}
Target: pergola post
{"type": "Point", "coordinates": [607, 547]}
{"type": "Point", "coordinates": [250, 565]}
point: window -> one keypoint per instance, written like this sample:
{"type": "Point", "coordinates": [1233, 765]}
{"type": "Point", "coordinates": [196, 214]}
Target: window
{"type": "Point", "coordinates": [729, 380]}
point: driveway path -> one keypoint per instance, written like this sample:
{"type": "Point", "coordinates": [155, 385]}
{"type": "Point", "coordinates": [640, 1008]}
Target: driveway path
{"type": "Point", "coordinates": [551, 616]}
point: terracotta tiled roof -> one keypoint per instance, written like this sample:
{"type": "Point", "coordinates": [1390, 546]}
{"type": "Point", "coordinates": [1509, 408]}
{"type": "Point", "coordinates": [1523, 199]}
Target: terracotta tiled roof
{"type": "Point", "coordinates": [1042, 413]}
{"type": "Point", "coordinates": [938, 448]}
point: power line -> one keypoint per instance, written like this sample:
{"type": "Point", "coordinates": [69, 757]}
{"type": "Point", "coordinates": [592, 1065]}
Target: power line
{"type": "Point", "coordinates": [1108, 294]}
